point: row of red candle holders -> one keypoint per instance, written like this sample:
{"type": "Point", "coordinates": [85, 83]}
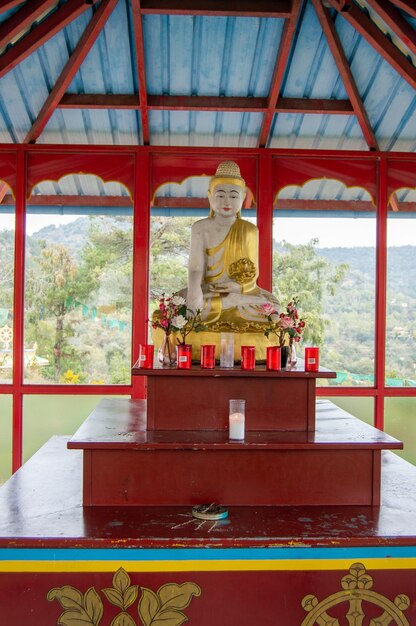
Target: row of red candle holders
{"type": "Point", "coordinates": [248, 357]}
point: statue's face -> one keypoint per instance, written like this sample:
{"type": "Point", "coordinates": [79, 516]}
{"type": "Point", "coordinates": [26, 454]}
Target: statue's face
{"type": "Point", "coordinates": [226, 200]}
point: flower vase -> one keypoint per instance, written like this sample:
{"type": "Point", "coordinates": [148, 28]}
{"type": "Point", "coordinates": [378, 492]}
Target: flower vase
{"type": "Point", "coordinates": [284, 356]}
{"type": "Point", "coordinates": [167, 352]}
{"type": "Point", "coordinates": [292, 358]}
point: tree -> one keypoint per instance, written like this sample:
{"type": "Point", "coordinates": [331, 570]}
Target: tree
{"type": "Point", "coordinates": [50, 288]}
{"type": "Point", "coordinates": [300, 271]}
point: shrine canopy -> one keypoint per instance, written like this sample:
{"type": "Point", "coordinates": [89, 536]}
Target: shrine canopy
{"type": "Point", "coordinates": [293, 75]}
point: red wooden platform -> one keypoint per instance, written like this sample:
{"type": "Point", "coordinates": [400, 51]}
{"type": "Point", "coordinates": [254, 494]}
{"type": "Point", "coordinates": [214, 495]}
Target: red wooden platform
{"type": "Point", "coordinates": [126, 464]}
{"type": "Point", "coordinates": [41, 505]}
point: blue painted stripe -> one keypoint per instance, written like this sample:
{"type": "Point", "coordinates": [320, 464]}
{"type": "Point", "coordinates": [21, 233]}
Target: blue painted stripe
{"type": "Point", "coordinates": [204, 554]}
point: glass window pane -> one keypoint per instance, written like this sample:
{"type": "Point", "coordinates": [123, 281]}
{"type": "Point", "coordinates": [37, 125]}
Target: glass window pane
{"type": "Point", "coordinates": [5, 437]}
{"type": "Point", "coordinates": [400, 422]}
{"type": "Point", "coordinates": [78, 283]}
{"type": "Point", "coordinates": [327, 259]}
{"type": "Point", "coordinates": [401, 297]}
{"type": "Point", "coordinates": [7, 232]}
{"type": "Point", "coordinates": [363, 408]}
{"type": "Point", "coordinates": [45, 416]}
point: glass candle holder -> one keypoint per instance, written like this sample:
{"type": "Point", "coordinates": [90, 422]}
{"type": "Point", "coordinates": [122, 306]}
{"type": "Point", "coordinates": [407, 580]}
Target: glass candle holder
{"type": "Point", "coordinates": [208, 356]}
{"type": "Point", "coordinates": [273, 358]}
{"type": "Point", "coordinates": [226, 349]}
{"type": "Point", "coordinates": [311, 359]}
{"type": "Point", "coordinates": [237, 414]}
{"type": "Point", "coordinates": [146, 354]}
{"type": "Point", "coordinates": [184, 351]}
{"type": "Point", "coordinates": [248, 357]}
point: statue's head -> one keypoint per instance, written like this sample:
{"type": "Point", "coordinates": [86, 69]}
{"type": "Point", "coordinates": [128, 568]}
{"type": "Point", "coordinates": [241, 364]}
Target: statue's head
{"type": "Point", "coordinates": [227, 190]}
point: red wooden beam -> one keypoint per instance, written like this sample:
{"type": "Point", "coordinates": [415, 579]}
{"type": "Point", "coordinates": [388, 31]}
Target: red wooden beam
{"type": "Point", "coordinates": [40, 34]}
{"type": "Point", "coordinates": [78, 201]}
{"type": "Point", "coordinates": [341, 61]}
{"type": "Point", "coordinates": [173, 202]}
{"type": "Point", "coordinates": [378, 40]}
{"type": "Point", "coordinates": [394, 20]}
{"type": "Point", "coordinates": [74, 62]}
{"type": "Point", "coordinates": [315, 106]}
{"type": "Point", "coordinates": [204, 103]}
{"type": "Point", "coordinates": [279, 70]}
{"type": "Point", "coordinates": [406, 5]}
{"type": "Point", "coordinates": [23, 19]}
{"type": "Point", "coordinates": [141, 69]}
{"type": "Point", "coordinates": [242, 8]}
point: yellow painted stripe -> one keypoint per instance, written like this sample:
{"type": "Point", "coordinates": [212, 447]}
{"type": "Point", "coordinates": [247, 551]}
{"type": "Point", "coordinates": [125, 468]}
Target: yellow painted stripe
{"type": "Point", "coordinates": [243, 565]}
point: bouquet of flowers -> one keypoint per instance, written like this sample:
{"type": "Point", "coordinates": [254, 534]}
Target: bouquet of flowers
{"type": "Point", "coordinates": [174, 316]}
{"type": "Point", "coordinates": [284, 324]}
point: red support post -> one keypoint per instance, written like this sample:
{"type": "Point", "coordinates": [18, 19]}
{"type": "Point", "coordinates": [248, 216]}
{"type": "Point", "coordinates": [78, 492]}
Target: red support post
{"type": "Point", "coordinates": [141, 237]}
{"type": "Point", "coordinates": [381, 291]}
{"type": "Point", "coordinates": [265, 219]}
{"type": "Point", "coordinates": [18, 312]}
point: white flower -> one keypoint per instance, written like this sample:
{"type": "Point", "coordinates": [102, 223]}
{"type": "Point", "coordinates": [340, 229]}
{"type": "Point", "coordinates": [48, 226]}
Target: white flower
{"type": "Point", "coordinates": [178, 300]}
{"type": "Point", "coordinates": [179, 321]}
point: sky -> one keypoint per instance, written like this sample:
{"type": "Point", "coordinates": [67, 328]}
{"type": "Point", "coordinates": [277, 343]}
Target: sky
{"type": "Point", "coordinates": [331, 232]}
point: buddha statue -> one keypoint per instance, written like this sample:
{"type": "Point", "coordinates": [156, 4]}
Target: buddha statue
{"type": "Point", "coordinates": [223, 270]}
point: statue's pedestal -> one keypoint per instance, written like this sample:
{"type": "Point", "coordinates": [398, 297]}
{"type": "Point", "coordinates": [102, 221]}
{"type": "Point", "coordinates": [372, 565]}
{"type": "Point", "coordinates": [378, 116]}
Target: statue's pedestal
{"type": "Point", "coordinates": [177, 451]}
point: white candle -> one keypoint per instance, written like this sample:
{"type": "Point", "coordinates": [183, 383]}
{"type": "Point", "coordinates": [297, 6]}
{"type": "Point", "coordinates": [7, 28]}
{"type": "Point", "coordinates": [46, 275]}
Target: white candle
{"type": "Point", "coordinates": [237, 426]}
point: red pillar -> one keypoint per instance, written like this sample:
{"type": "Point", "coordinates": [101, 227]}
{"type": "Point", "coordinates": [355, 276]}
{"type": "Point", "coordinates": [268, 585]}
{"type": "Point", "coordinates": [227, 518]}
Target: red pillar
{"type": "Point", "coordinates": [381, 291]}
{"type": "Point", "coordinates": [18, 311]}
{"type": "Point", "coordinates": [141, 245]}
{"type": "Point", "coordinates": [265, 219]}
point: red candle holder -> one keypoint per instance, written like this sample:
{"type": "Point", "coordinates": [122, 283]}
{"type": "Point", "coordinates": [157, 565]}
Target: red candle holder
{"type": "Point", "coordinates": [146, 353]}
{"type": "Point", "coordinates": [208, 356]}
{"type": "Point", "coordinates": [311, 359]}
{"type": "Point", "coordinates": [248, 357]}
{"type": "Point", "coordinates": [184, 356]}
{"type": "Point", "coordinates": [273, 358]}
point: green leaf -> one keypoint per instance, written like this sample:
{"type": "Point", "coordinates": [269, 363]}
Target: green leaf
{"type": "Point", "coordinates": [170, 618]}
{"type": "Point", "coordinates": [93, 605]}
{"type": "Point", "coordinates": [130, 596]}
{"type": "Point", "coordinates": [123, 619]}
{"type": "Point", "coordinates": [121, 580]}
{"type": "Point", "coordinates": [114, 596]}
{"type": "Point", "coordinates": [177, 596]}
{"type": "Point", "coordinates": [67, 596]}
{"type": "Point", "coordinates": [148, 606]}
{"type": "Point", "coordinates": [74, 618]}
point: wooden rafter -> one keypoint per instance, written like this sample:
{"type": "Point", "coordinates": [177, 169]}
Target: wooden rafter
{"type": "Point", "coordinates": [141, 69]}
{"type": "Point", "coordinates": [279, 70]}
{"type": "Point", "coordinates": [41, 34]}
{"type": "Point", "coordinates": [204, 103]}
{"type": "Point", "coordinates": [6, 5]}
{"type": "Point", "coordinates": [378, 40]}
{"type": "Point", "coordinates": [344, 69]}
{"type": "Point", "coordinates": [23, 19]}
{"type": "Point", "coordinates": [77, 57]}
{"type": "Point", "coordinates": [246, 8]}
{"type": "Point", "coordinates": [396, 22]}
{"type": "Point", "coordinates": [3, 190]}
{"type": "Point", "coordinates": [406, 5]}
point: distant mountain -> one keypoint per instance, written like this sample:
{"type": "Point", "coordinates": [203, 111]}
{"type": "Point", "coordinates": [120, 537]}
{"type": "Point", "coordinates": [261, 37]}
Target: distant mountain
{"type": "Point", "coordinates": [73, 235]}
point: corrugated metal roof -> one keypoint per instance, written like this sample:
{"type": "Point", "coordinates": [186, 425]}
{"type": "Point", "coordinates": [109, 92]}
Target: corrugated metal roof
{"type": "Point", "coordinates": [200, 55]}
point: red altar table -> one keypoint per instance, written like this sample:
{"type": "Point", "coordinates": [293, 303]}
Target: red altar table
{"type": "Point", "coordinates": [184, 456]}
